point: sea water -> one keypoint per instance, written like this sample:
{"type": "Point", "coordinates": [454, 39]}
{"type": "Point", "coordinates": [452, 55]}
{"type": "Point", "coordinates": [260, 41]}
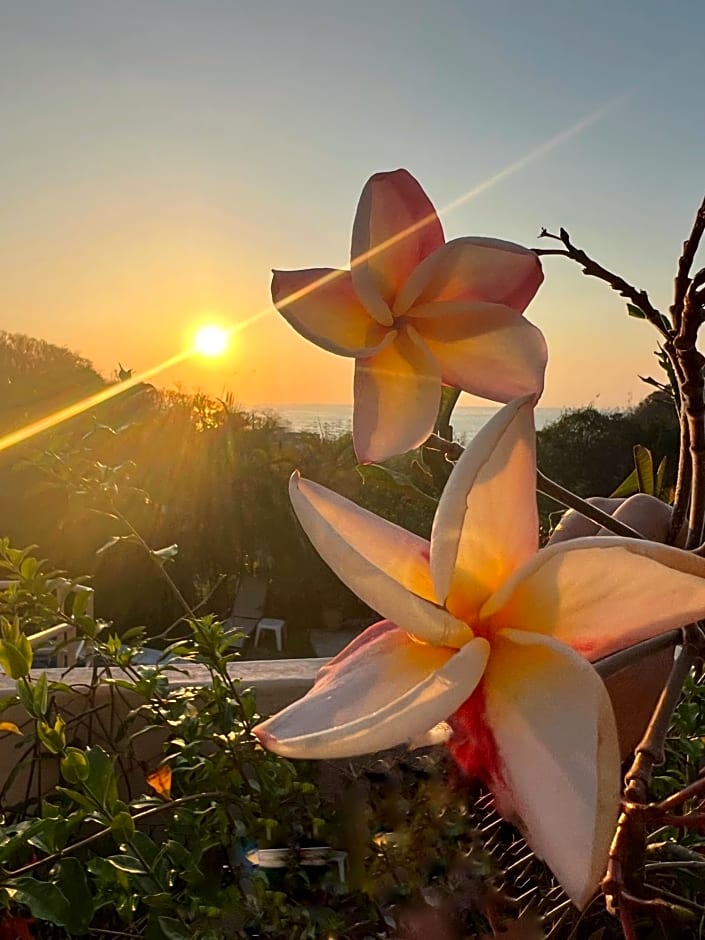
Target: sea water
{"type": "Point", "coordinates": [336, 419]}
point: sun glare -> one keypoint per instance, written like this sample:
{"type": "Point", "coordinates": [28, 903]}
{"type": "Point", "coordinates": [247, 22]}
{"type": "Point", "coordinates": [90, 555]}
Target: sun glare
{"type": "Point", "coordinates": [211, 340]}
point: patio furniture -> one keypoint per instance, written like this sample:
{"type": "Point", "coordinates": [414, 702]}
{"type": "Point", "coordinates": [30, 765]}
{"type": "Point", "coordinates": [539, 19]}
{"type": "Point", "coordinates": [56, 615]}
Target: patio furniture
{"type": "Point", "coordinates": [272, 625]}
{"type": "Point", "coordinates": [311, 856]}
{"type": "Point", "coordinates": [247, 609]}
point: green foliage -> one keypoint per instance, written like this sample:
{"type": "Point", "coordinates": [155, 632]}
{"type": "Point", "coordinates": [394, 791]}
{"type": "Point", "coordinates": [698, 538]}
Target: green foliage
{"type": "Point", "coordinates": [89, 853]}
{"type": "Point", "coordinates": [84, 848]}
{"type": "Point", "coordinates": [643, 478]}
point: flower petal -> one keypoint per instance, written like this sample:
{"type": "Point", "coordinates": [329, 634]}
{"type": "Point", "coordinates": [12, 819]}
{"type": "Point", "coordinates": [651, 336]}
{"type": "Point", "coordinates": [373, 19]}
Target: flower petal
{"type": "Point", "coordinates": [321, 305]}
{"type": "Point", "coordinates": [395, 228]}
{"type": "Point", "coordinates": [386, 566]}
{"type": "Point", "coordinates": [397, 394]}
{"type": "Point", "coordinates": [487, 349]}
{"type": "Point", "coordinates": [557, 743]}
{"type": "Point", "coordinates": [600, 595]}
{"type": "Point", "coordinates": [387, 691]}
{"type": "Point", "coordinates": [474, 269]}
{"type": "Point", "coordinates": [486, 524]}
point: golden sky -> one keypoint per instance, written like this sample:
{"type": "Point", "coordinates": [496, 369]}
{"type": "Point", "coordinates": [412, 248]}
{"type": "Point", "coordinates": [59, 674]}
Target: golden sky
{"type": "Point", "coordinates": [160, 159]}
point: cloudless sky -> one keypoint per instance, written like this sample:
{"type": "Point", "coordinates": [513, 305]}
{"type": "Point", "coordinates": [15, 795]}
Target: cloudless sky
{"type": "Point", "coordinates": [159, 157]}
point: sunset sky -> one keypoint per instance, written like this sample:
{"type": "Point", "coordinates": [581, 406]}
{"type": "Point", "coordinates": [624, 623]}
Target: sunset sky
{"type": "Point", "coordinates": [160, 157]}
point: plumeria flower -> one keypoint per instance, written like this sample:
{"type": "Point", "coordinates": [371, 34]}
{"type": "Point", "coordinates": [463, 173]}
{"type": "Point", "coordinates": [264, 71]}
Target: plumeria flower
{"type": "Point", "coordinates": [416, 312]}
{"type": "Point", "coordinates": [490, 635]}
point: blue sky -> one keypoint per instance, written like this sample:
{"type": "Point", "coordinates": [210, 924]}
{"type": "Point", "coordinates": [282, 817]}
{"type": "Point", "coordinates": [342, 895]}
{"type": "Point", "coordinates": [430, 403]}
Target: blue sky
{"type": "Point", "coordinates": [160, 157]}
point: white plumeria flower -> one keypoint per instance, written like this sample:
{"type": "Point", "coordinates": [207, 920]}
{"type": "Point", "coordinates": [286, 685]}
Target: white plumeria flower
{"type": "Point", "coordinates": [488, 633]}
{"type": "Point", "coordinates": [416, 311]}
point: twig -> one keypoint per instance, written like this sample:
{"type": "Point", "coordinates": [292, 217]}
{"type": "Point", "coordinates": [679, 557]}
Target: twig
{"type": "Point", "coordinates": [451, 449]}
{"type": "Point", "coordinates": [684, 474]}
{"type": "Point", "coordinates": [691, 377]}
{"type": "Point", "coordinates": [650, 750]}
{"type": "Point", "coordinates": [685, 263]}
{"type": "Point", "coordinates": [675, 898]}
{"type": "Point", "coordinates": [638, 297]}
{"type": "Point", "coordinates": [138, 817]}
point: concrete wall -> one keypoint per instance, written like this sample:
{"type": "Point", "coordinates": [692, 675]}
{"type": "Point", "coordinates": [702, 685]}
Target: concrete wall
{"type": "Point", "coordinates": [99, 719]}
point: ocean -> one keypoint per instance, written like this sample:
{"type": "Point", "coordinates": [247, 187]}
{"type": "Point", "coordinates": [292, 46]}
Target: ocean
{"type": "Point", "coordinates": [335, 419]}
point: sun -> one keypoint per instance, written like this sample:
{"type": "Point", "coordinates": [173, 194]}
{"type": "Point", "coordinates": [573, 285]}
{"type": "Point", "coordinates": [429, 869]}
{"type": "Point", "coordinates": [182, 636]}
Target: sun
{"type": "Point", "coordinates": [211, 340]}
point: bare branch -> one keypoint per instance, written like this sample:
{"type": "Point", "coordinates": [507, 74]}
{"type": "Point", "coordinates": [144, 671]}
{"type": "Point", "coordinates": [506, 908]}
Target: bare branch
{"type": "Point", "coordinates": [649, 752]}
{"type": "Point", "coordinates": [590, 267]}
{"type": "Point", "coordinates": [685, 263]}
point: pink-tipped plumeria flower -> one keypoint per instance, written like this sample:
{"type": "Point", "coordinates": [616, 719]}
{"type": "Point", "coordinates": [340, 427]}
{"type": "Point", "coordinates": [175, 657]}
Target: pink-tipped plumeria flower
{"type": "Point", "coordinates": [416, 312]}
{"type": "Point", "coordinates": [490, 635]}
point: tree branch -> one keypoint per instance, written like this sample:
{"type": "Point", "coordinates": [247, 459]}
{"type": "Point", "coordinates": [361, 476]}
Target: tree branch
{"type": "Point", "coordinates": [692, 392]}
{"type": "Point", "coordinates": [650, 750]}
{"type": "Point", "coordinates": [685, 263]}
{"type": "Point", "coordinates": [637, 297]}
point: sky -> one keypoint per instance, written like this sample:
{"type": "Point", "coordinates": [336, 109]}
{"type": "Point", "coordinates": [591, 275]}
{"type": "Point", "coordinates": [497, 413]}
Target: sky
{"type": "Point", "coordinates": [160, 157]}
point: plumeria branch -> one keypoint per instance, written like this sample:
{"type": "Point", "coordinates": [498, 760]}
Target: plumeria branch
{"type": "Point", "coordinates": [692, 390]}
{"type": "Point", "coordinates": [591, 268]}
{"type": "Point", "coordinates": [623, 883]}
{"type": "Point", "coordinates": [685, 263]}
{"type": "Point", "coordinates": [687, 314]}
{"type": "Point", "coordinates": [684, 475]}
{"type": "Point", "coordinates": [650, 751]}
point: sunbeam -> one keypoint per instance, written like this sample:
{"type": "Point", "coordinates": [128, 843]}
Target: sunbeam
{"type": "Point", "coordinates": [71, 411]}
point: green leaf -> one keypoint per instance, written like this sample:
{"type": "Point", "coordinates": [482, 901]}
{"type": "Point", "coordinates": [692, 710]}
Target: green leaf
{"type": "Point", "coordinates": [122, 826]}
{"type": "Point", "coordinates": [16, 658]}
{"type": "Point", "coordinates": [73, 884]}
{"type": "Point", "coordinates": [128, 864]}
{"type": "Point", "coordinates": [74, 766]}
{"type": "Point", "coordinates": [635, 311]}
{"type": "Point", "coordinates": [660, 477]}
{"type": "Point", "coordinates": [644, 465]}
{"type": "Point", "coordinates": [83, 801]}
{"type": "Point", "coordinates": [173, 929]}
{"type": "Point", "coordinates": [79, 603]}
{"type": "Point", "coordinates": [101, 781]}
{"type": "Point", "coordinates": [627, 487]}
{"type": "Point", "coordinates": [26, 696]}
{"type": "Point", "coordinates": [52, 737]}
{"type": "Point", "coordinates": [28, 568]}
{"type": "Point", "coordinates": [40, 694]}
{"type": "Point", "coordinates": [44, 899]}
